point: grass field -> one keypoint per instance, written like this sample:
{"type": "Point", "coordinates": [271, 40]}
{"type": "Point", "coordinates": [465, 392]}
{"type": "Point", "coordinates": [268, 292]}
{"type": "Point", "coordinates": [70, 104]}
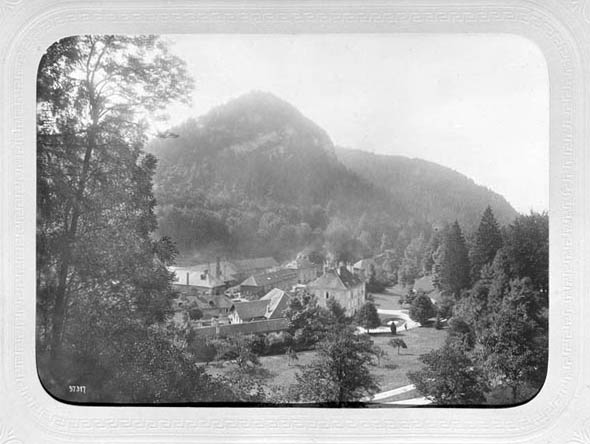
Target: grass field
{"type": "Point", "coordinates": [390, 374]}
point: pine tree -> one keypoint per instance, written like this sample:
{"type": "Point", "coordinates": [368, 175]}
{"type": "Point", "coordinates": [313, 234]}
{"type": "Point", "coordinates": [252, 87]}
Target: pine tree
{"type": "Point", "coordinates": [427, 263]}
{"type": "Point", "coordinates": [488, 240]}
{"type": "Point", "coordinates": [452, 262]}
{"type": "Point", "coordinates": [367, 316]}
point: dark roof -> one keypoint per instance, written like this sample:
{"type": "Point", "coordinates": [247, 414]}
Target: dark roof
{"type": "Point", "coordinates": [341, 280]}
{"type": "Point", "coordinates": [349, 279]}
{"type": "Point", "coordinates": [278, 301]}
{"type": "Point", "coordinates": [251, 310]}
{"type": "Point", "coordinates": [257, 263]}
{"type": "Point", "coordinates": [270, 278]}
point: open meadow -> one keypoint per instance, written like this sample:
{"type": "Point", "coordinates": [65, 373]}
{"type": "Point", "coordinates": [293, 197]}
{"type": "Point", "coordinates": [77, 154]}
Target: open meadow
{"type": "Point", "coordinates": [390, 371]}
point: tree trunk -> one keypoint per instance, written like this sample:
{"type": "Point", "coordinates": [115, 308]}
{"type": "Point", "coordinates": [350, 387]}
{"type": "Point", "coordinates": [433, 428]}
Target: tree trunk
{"type": "Point", "coordinates": [61, 294]}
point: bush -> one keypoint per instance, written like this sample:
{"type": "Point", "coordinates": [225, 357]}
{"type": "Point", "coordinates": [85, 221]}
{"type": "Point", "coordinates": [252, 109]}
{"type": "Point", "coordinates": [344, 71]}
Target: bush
{"type": "Point", "coordinates": [422, 309]}
{"type": "Point", "coordinates": [195, 314]}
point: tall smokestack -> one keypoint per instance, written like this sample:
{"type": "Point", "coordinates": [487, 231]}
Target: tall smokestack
{"type": "Point", "coordinates": [187, 278]}
{"type": "Point", "coordinates": [218, 268]}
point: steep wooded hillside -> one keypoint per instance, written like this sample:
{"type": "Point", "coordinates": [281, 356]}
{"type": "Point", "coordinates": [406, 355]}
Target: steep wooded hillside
{"type": "Point", "coordinates": [434, 192]}
{"type": "Point", "coordinates": [255, 176]}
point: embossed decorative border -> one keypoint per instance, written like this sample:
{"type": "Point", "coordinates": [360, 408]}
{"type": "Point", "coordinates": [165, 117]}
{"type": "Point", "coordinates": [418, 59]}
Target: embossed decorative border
{"type": "Point", "coordinates": [560, 413]}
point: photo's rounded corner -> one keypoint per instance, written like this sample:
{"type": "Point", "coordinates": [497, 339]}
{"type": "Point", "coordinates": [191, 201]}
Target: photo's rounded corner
{"type": "Point", "coordinates": [47, 393]}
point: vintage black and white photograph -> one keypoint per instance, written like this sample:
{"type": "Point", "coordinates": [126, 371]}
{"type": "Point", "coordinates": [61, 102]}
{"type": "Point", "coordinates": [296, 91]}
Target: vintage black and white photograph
{"type": "Point", "coordinates": [325, 220]}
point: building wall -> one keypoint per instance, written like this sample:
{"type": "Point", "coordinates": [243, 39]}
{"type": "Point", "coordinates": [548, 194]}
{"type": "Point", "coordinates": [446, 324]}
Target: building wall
{"type": "Point", "coordinates": [305, 275]}
{"type": "Point", "coordinates": [244, 328]}
{"type": "Point", "coordinates": [350, 299]}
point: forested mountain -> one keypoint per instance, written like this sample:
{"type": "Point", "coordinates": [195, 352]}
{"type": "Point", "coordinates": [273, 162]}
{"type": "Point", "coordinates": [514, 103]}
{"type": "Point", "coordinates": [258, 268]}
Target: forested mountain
{"type": "Point", "coordinates": [434, 192]}
{"type": "Point", "coordinates": [255, 176]}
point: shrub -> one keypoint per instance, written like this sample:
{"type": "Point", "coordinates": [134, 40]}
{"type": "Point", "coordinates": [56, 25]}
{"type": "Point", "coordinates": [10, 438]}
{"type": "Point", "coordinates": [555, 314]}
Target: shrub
{"type": "Point", "coordinates": [422, 309]}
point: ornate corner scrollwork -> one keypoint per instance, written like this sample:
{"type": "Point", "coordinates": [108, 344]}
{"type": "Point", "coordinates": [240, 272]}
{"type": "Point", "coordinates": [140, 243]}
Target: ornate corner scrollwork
{"type": "Point", "coordinates": [6, 6]}
{"type": "Point", "coordinates": [581, 436]}
{"type": "Point", "coordinates": [582, 7]}
{"type": "Point", "coordinates": [7, 436]}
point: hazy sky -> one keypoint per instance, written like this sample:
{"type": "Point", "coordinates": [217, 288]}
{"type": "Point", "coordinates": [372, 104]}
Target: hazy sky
{"type": "Point", "coordinates": [476, 103]}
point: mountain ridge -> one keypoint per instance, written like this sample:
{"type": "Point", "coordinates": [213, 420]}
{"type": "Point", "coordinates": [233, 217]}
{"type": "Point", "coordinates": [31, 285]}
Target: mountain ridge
{"type": "Point", "coordinates": [390, 171]}
{"type": "Point", "coordinates": [256, 176]}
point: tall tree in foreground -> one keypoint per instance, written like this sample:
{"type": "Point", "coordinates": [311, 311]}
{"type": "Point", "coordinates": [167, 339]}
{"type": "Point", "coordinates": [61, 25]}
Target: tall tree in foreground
{"type": "Point", "coordinates": [101, 276]}
{"type": "Point", "coordinates": [488, 240]}
{"type": "Point", "coordinates": [340, 374]}
{"type": "Point", "coordinates": [95, 202]}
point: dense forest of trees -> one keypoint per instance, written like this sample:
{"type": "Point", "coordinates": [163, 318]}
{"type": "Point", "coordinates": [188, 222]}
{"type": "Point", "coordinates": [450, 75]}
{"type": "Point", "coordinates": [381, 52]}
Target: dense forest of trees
{"type": "Point", "coordinates": [497, 305]}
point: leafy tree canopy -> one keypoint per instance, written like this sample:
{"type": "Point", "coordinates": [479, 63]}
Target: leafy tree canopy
{"type": "Point", "coordinates": [341, 373]}
{"type": "Point", "coordinates": [96, 256]}
{"type": "Point", "coordinates": [422, 309]}
{"type": "Point", "coordinates": [450, 377]}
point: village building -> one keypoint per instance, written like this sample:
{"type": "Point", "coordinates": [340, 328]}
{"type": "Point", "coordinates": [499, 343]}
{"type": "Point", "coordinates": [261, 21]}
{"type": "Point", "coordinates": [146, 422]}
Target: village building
{"type": "Point", "coordinates": [259, 284]}
{"type": "Point", "coordinates": [230, 273]}
{"type": "Point", "coordinates": [342, 286]}
{"type": "Point", "coordinates": [362, 269]}
{"type": "Point", "coordinates": [241, 312]}
{"type": "Point", "coordinates": [306, 270]}
{"type": "Point", "coordinates": [271, 306]}
{"type": "Point", "coordinates": [211, 306]}
{"type": "Point", "coordinates": [278, 302]}
{"type": "Point", "coordinates": [195, 282]}
{"type": "Point", "coordinates": [248, 267]}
